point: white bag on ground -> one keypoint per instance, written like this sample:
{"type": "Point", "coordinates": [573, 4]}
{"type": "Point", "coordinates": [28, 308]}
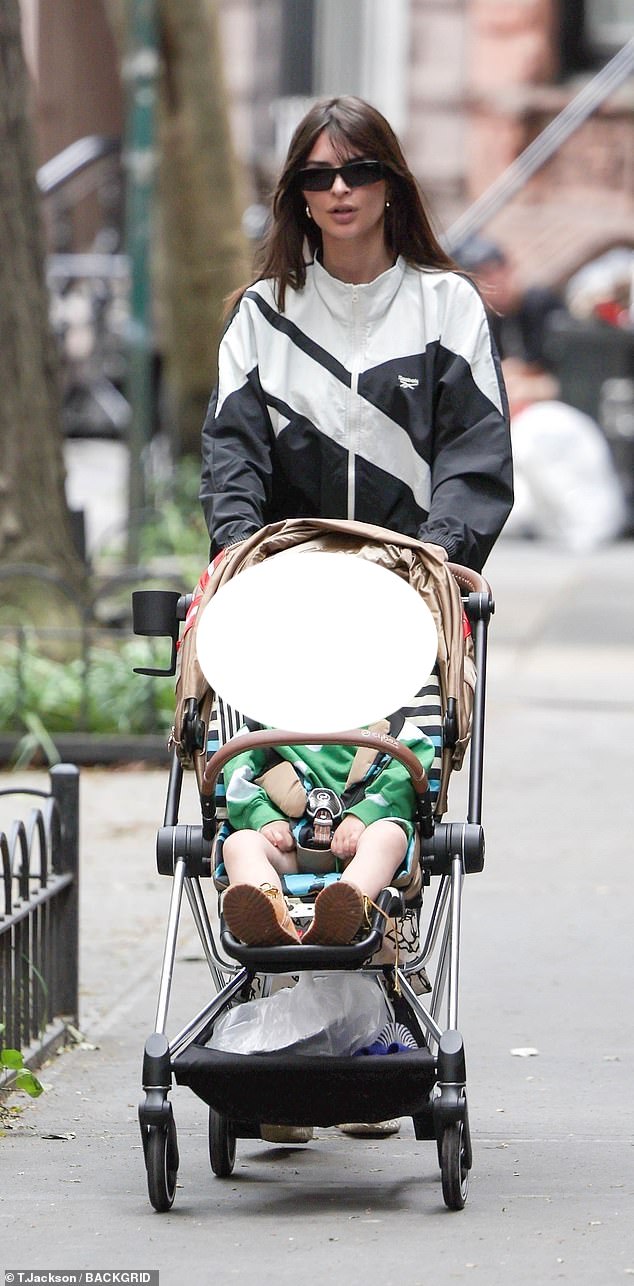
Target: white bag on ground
{"type": "Point", "coordinates": [333, 1013]}
{"type": "Point", "coordinates": [567, 487]}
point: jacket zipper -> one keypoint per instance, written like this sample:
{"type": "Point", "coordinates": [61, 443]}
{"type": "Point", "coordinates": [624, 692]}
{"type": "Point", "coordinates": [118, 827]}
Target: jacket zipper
{"type": "Point", "coordinates": [353, 434]}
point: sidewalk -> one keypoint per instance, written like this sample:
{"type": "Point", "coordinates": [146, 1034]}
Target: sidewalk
{"type": "Point", "coordinates": [546, 962]}
{"type": "Point", "coordinates": [564, 624]}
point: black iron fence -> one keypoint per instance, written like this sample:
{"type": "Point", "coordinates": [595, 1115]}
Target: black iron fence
{"type": "Point", "coordinates": [39, 943]}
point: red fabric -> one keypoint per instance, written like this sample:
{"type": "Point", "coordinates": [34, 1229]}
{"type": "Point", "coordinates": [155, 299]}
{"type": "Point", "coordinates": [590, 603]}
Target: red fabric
{"type": "Point", "coordinates": [192, 611]}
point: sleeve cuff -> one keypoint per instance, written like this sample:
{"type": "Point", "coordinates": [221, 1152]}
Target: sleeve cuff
{"type": "Point", "coordinates": [367, 812]}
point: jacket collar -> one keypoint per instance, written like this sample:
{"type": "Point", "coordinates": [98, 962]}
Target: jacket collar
{"type": "Point", "coordinates": [371, 299]}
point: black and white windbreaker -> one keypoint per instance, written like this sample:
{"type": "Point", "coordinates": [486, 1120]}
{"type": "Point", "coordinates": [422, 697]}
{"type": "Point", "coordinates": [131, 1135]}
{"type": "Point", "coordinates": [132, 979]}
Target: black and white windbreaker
{"type": "Point", "coordinates": [380, 402]}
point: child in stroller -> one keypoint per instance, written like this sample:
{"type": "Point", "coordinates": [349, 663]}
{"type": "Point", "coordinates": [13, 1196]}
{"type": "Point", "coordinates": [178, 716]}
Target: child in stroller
{"type": "Point", "coordinates": [355, 809]}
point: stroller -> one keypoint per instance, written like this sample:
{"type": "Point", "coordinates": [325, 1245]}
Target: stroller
{"type": "Point", "coordinates": [413, 957]}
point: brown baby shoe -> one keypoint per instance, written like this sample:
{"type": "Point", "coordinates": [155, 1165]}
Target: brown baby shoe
{"type": "Point", "coordinates": [258, 916]}
{"type": "Point", "coordinates": [338, 916]}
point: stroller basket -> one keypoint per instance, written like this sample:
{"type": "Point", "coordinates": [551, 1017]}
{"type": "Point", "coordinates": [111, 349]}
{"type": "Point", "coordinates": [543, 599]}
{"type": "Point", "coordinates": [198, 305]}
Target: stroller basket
{"type": "Point", "coordinates": [246, 1087]}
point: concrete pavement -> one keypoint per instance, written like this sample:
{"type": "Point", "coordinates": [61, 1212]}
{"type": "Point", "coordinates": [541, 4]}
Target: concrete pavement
{"type": "Point", "coordinates": [547, 966]}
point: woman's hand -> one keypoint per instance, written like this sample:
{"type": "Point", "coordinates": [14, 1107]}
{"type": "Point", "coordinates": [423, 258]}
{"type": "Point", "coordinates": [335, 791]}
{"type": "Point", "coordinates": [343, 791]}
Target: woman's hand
{"type": "Point", "coordinates": [347, 836]}
{"type": "Point", "coordinates": [279, 834]}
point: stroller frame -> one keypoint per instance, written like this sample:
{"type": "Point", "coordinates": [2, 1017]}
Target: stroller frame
{"type": "Point", "coordinates": [243, 1091]}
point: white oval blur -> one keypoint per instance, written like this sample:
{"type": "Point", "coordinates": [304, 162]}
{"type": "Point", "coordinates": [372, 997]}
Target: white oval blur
{"type": "Point", "coordinates": [316, 641]}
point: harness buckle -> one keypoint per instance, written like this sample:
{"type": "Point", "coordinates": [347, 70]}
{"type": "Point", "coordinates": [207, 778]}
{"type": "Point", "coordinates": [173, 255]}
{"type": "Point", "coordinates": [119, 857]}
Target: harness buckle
{"type": "Point", "coordinates": [324, 809]}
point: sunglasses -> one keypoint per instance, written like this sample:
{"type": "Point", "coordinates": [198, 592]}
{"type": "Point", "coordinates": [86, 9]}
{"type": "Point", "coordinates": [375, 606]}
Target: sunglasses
{"type": "Point", "coordinates": [355, 174]}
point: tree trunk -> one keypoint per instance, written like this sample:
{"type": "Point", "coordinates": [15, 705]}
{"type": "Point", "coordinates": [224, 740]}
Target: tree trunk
{"type": "Point", "coordinates": [34, 518]}
{"type": "Point", "coordinates": [204, 252]}
{"type": "Point", "coordinates": [201, 252]}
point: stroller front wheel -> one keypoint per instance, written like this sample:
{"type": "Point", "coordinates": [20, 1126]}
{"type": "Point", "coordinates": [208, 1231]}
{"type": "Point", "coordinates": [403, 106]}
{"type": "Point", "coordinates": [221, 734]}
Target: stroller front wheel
{"type": "Point", "coordinates": [222, 1144]}
{"type": "Point", "coordinates": [161, 1160]}
{"type": "Point", "coordinates": [453, 1167]}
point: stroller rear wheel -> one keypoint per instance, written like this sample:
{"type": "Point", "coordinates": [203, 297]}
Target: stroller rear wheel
{"type": "Point", "coordinates": [453, 1166]}
{"type": "Point", "coordinates": [222, 1144]}
{"type": "Point", "coordinates": [161, 1160]}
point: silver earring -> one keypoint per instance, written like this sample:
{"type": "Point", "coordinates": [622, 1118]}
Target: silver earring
{"type": "Point", "coordinates": [308, 213]}
{"type": "Point", "coordinates": [388, 204]}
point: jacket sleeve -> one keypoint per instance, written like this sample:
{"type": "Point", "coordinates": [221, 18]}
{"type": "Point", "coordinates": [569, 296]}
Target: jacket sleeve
{"type": "Point", "coordinates": [471, 470]}
{"type": "Point", "coordinates": [391, 794]}
{"type": "Point", "coordinates": [248, 805]}
{"type": "Point", "coordinates": [237, 437]}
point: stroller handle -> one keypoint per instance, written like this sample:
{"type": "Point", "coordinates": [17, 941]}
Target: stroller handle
{"type": "Point", "coordinates": [469, 580]}
{"type": "Point", "coordinates": [379, 741]}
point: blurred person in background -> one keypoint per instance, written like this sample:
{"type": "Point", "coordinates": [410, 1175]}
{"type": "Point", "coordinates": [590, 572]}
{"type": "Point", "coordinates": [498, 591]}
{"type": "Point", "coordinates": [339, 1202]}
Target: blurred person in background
{"type": "Point", "coordinates": [519, 316]}
{"type": "Point", "coordinates": [567, 489]}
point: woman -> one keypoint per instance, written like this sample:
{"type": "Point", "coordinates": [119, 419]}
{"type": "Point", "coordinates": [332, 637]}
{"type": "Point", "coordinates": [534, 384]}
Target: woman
{"type": "Point", "coordinates": [357, 377]}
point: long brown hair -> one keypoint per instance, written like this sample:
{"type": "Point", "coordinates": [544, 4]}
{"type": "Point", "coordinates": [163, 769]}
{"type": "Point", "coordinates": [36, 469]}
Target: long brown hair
{"type": "Point", "coordinates": [354, 128]}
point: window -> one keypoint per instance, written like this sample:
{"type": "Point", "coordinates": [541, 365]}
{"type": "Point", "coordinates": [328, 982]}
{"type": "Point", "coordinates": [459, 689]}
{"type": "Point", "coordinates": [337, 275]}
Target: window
{"type": "Point", "coordinates": [297, 47]}
{"type": "Point", "coordinates": [341, 47]}
{"type": "Point", "coordinates": [592, 31]}
{"type": "Point", "coordinates": [609, 24]}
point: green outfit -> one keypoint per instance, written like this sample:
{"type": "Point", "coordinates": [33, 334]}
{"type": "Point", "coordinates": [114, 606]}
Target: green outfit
{"type": "Point", "coordinates": [386, 790]}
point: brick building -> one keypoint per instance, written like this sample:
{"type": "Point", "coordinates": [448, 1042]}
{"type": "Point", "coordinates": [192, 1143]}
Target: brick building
{"type": "Point", "coordinates": [468, 84]}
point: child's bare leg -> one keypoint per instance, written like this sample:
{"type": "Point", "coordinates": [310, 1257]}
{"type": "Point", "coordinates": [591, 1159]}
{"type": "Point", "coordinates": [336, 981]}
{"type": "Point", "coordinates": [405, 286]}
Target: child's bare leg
{"type": "Point", "coordinates": [380, 850]}
{"type": "Point", "coordinates": [254, 906]}
{"type": "Point", "coordinates": [250, 858]}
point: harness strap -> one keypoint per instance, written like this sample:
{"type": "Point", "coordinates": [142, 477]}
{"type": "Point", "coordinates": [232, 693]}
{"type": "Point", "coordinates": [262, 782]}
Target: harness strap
{"type": "Point", "coordinates": [285, 787]}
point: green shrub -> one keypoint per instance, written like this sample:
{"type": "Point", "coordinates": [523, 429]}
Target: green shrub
{"type": "Point", "coordinates": [101, 695]}
{"type": "Point", "coordinates": [50, 683]}
{"type": "Point", "coordinates": [173, 525]}
{"type": "Point", "coordinates": [11, 1060]}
